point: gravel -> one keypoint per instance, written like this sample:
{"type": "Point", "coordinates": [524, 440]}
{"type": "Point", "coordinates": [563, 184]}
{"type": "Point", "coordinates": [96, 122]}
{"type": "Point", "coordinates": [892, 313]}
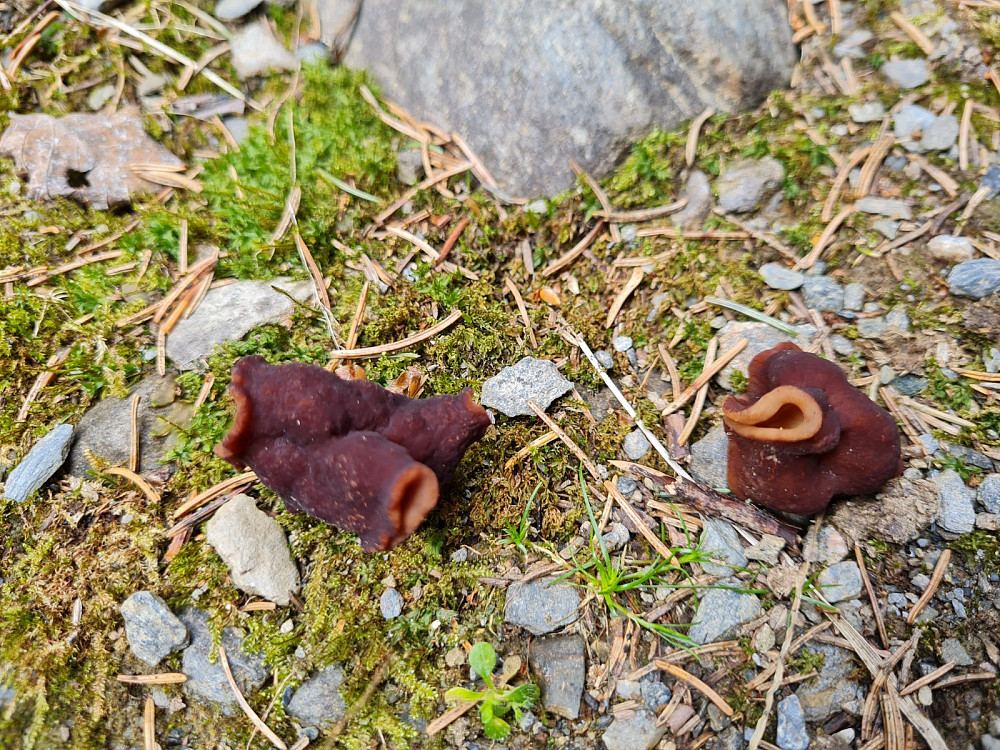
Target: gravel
{"type": "Point", "coordinates": [559, 666]}
{"type": "Point", "coordinates": [777, 276]}
{"type": "Point", "coordinates": [792, 733]}
{"type": "Point", "coordinates": [708, 458]}
{"type": "Point", "coordinates": [317, 702]}
{"type": "Point", "coordinates": [42, 461]}
{"type": "Point", "coordinates": [537, 380]}
{"type": "Point", "coordinates": [907, 74]}
{"type": "Point", "coordinates": [636, 445]}
{"type": "Point", "coordinates": [840, 581]}
{"type": "Point", "coordinates": [976, 278]}
{"type": "Point", "coordinates": [721, 611]}
{"type": "Point", "coordinates": [822, 293]}
{"type": "Point", "coordinates": [891, 207]}
{"type": "Point", "coordinates": [950, 249]}
{"type": "Point", "coordinates": [854, 296]}
{"type": "Point", "coordinates": [638, 731]}
{"type": "Point", "coordinates": [391, 604]}
{"type": "Point", "coordinates": [744, 183]}
{"type": "Point", "coordinates": [956, 512]}
{"type": "Point", "coordinates": [720, 541]}
{"type": "Point", "coordinates": [866, 112]}
{"type": "Point", "coordinates": [152, 630]}
{"type": "Point", "coordinates": [989, 493]}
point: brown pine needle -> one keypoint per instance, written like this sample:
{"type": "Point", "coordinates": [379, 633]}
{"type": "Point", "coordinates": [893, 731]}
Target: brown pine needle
{"type": "Point", "coordinates": [986, 377]}
{"type": "Point", "coordinates": [452, 240]}
{"type": "Point", "coordinates": [601, 196]}
{"type": "Point", "coordinates": [919, 37]}
{"type": "Point", "coordinates": [963, 678]}
{"type": "Point", "coordinates": [247, 477]}
{"type": "Point", "coordinates": [149, 724]}
{"type": "Point", "coordinates": [377, 351]}
{"type": "Point", "coordinates": [691, 147]}
{"type": "Point", "coordinates": [578, 249]}
{"type": "Point", "coordinates": [675, 377]}
{"type": "Point", "coordinates": [699, 399]}
{"type": "Point", "coordinates": [538, 442]}
{"type": "Point", "coordinates": [206, 388]}
{"type": "Point", "coordinates": [318, 283]}
{"type": "Point", "coordinates": [359, 315]}
{"type": "Point", "coordinates": [942, 178]}
{"type": "Point", "coordinates": [711, 369]}
{"type": "Point", "coordinates": [73, 265]}
{"type": "Point", "coordinates": [259, 607]}
{"type": "Point", "coordinates": [567, 440]}
{"type": "Point", "coordinates": [642, 214]}
{"type": "Point", "coordinates": [825, 237]}
{"type": "Point", "coordinates": [690, 679]}
{"type": "Point", "coordinates": [876, 610]}
{"type": "Point", "coordinates": [963, 135]}
{"type": "Point", "coordinates": [839, 181]}
{"type": "Point", "coordinates": [183, 285]}
{"type": "Point", "coordinates": [423, 185]}
{"type": "Point", "coordinates": [41, 381]}
{"type": "Point", "coordinates": [523, 310]}
{"type": "Point", "coordinates": [932, 587]}
{"type": "Point", "coordinates": [630, 286]}
{"type": "Point", "coordinates": [254, 718]}
{"type": "Point", "coordinates": [147, 490]}
{"type": "Point", "coordinates": [133, 443]}
{"type": "Point", "coordinates": [928, 678]}
{"type": "Point", "coordinates": [164, 678]}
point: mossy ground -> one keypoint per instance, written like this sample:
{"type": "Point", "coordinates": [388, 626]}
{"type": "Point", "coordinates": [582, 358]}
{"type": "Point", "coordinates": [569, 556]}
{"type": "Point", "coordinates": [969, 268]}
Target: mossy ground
{"type": "Point", "coordinates": [98, 541]}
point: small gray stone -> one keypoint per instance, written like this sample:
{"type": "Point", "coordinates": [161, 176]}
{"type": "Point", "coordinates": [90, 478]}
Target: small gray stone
{"type": "Point", "coordinates": [654, 694]}
{"type": "Point", "coordinates": [616, 537]}
{"type": "Point", "coordinates": [638, 731]}
{"type": "Point", "coordinates": [871, 328]}
{"type": "Point", "coordinates": [941, 134]}
{"type": "Point", "coordinates": [720, 541]}
{"type": "Point", "coordinates": [409, 166]}
{"type": "Point", "coordinates": [854, 296]}
{"type": "Point", "coordinates": [975, 278]}
{"type": "Point", "coordinates": [391, 604]}
{"type": "Point", "coordinates": [744, 183]}
{"type": "Point", "coordinates": [627, 485]}
{"type": "Point", "coordinates": [605, 359]}
{"type": "Point", "coordinates": [207, 679]}
{"type": "Point", "coordinates": [822, 293]}
{"type": "Point", "coordinates": [909, 385]}
{"type": "Point", "coordinates": [950, 249]}
{"type": "Point", "coordinates": [99, 96]}
{"type": "Point", "coordinates": [254, 548]}
{"type": "Point", "coordinates": [152, 630]}
{"type": "Point", "coordinates": [906, 74]}
{"type": "Point", "coordinates": [313, 53]}
{"type": "Point", "coordinates": [891, 207]}
{"type": "Point", "coordinates": [956, 512]}
{"type": "Point", "coordinates": [831, 547]}
{"type": "Point", "coordinates": [823, 696]}
{"type": "Point", "coordinates": [622, 343]}
{"type": "Point", "coordinates": [558, 663]}
{"type": "Point", "coordinates": [953, 650]}
{"type": "Point", "coordinates": [698, 192]}
{"type": "Point", "coordinates": [991, 180]}
{"type": "Point", "coordinates": [230, 10]}
{"type": "Point", "coordinates": [898, 318]}
{"type": "Point", "coordinates": [851, 46]}
{"type": "Point", "coordinates": [866, 112]}
{"type": "Point", "coordinates": [255, 51]}
{"type": "Point", "coordinates": [317, 702]}
{"type": "Point", "coordinates": [42, 461]}
{"type": "Point", "coordinates": [531, 379]}
{"type": "Point", "coordinates": [721, 611]}
{"type": "Point", "coordinates": [989, 493]}
{"type": "Point", "coordinates": [777, 276]}
{"type": "Point", "coordinates": [636, 445]}
{"type": "Point", "coordinates": [538, 206]}
{"type": "Point", "coordinates": [238, 127]}
{"type": "Point", "coordinates": [989, 742]}
{"type": "Point", "coordinates": [792, 733]}
{"type": "Point", "coordinates": [842, 345]}
{"type": "Point", "coordinates": [628, 690]}
{"type": "Point", "coordinates": [228, 313]}
{"type": "Point", "coordinates": [766, 550]}
{"type": "Point", "coordinates": [910, 121]}
{"type": "Point", "coordinates": [541, 606]}
{"type": "Point", "coordinates": [840, 581]}
{"type": "Point", "coordinates": [887, 228]}
{"type": "Point", "coordinates": [708, 458]}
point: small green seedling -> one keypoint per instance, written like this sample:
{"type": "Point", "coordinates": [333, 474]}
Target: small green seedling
{"type": "Point", "coordinates": [518, 534]}
{"type": "Point", "coordinates": [494, 701]}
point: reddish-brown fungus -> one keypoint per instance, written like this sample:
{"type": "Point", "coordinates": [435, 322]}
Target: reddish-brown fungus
{"type": "Point", "coordinates": [348, 452]}
{"type": "Point", "coordinates": [802, 434]}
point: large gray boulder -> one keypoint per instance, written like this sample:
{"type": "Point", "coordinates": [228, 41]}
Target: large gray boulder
{"type": "Point", "coordinates": [531, 84]}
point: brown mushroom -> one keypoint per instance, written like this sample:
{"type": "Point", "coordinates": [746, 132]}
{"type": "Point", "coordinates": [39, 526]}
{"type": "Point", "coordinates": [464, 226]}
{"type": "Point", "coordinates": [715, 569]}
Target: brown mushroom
{"type": "Point", "coordinates": [802, 434]}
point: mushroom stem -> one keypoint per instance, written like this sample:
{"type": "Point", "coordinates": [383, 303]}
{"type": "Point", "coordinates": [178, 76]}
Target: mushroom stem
{"type": "Point", "coordinates": [786, 414]}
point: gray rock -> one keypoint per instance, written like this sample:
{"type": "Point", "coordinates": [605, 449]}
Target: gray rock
{"type": "Point", "coordinates": [744, 183]}
{"type": "Point", "coordinates": [207, 679]}
{"type": "Point", "coordinates": [851, 46]}
{"type": "Point", "coordinates": [991, 180]}
{"type": "Point", "coordinates": [891, 207]}
{"type": "Point", "coordinates": [255, 51]}
{"type": "Point", "coordinates": [953, 650]}
{"type": "Point", "coordinates": [950, 249]}
{"type": "Point", "coordinates": [391, 604]}
{"type": "Point", "coordinates": [42, 461]}
{"type": "Point", "coordinates": [558, 663]}
{"type": "Point", "coordinates": [898, 318]}
{"type": "Point", "coordinates": [866, 112]}
{"type": "Point", "coordinates": [105, 430]}
{"type": "Point", "coordinates": [654, 694]}
{"type": "Point", "coordinates": [792, 733]}
{"type": "Point", "coordinates": [605, 359]}
{"type": "Point", "coordinates": [887, 228]}
{"type": "Point", "coordinates": [627, 485]}
{"type": "Point", "coordinates": [152, 630]}
{"type": "Point", "coordinates": [622, 343]}
{"type": "Point", "coordinates": [255, 550]}
{"type": "Point", "coordinates": [956, 512]}
{"type": "Point", "coordinates": [317, 702]}
{"type": "Point", "coordinates": [409, 166]}
{"type": "Point", "coordinates": [541, 606]}
{"type": "Point", "coordinates": [531, 379]}
{"type": "Point", "coordinates": [708, 458]}
{"type": "Point", "coordinates": [238, 127]}
{"type": "Point", "coordinates": [822, 293]}
{"type": "Point", "coordinates": [616, 537]}
{"type": "Point", "coordinates": [629, 690]}
{"type": "Point", "coordinates": [854, 296]}
{"type": "Point", "coordinates": [910, 121]}
{"type": "Point", "coordinates": [313, 53]}
{"type": "Point", "coordinates": [766, 550]}
{"type": "Point", "coordinates": [637, 731]}
{"type": "Point", "coordinates": [720, 541]}
{"type": "Point", "coordinates": [968, 455]}
{"type": "Point", "coordinates": [842, 345]}
{"type": "Point", "coordinates": [228, 313]}
{"type": "Point", "coordinates": [698, 192]}
{"type": "Point", "coordinates": [99, 96]}
{"type": "Point", "coordinates": [777, 276]}
{"type": "Point", "coordinates": [989, 493]}
{"type": "Point", "coordinates": [841, 581]}
{"type": "Point", "coordinates": [988, 741]}
{"type": "Point", "coordinates": [941, 134]}
{"type": "Point", "coordinates": [824, 695]}
{"type": "Point", "coordinates": [831, 547]}
{"type": "Point", "coordinates": [721, 611]}
{"type": "Point", "coordinates": [907, 74]}
{"type": "Point", "coordinates": [635, 445]}
{"type": "Point", "coordinates": [909, 385]}
{"type": "Point", "coordinates": [760, 337]}
{"type": "Point", "coordinates": [872, 328]}
{"type": "Point", "coordinates": [518, 79]}
{"type": "Point", "coordinates": [975, 278]}
{"type": "Point", "coordinates": [150, 84]}
{"type": "Point", "coordinates": [230, 10]}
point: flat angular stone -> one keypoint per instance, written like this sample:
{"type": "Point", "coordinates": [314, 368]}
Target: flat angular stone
{"type": "Point", "coordinates": [207, 679]}
{"type": "Point", "coordinates": [841, 581]}
{"type": "Point", "coordinates": [720, 542]}
{"type": "Point", "coordinates": [956, 512]}
{"type": "Point", "coordinates": [891, 207]}
{"type": "Point", "coordinates": [792, 733]}
{"type": "Point", "coordinates": [907, 74]}
{"type": "Point", "coordinates": [636, 731]}
{"type": "Point", "coordinates": [541, 606]}
{"type": "Point", "coordinates": [42, 461]}
{"type": "Point", "coordinates": [537, 380]}
{"type": "Point", "coordinates": [721, 611]}
{"type": "Point", "coordinates": [558, 663]}
{"type": "Point", "coordinates": [152, 630]}
{"type": "Point", "coordinates": [317, 702]}
{"type": "Point", "coordinates": [976, 278]}
{"type": "Point", "coordinates": [708, 458]}
{"type": "Point", "coordinates": [744, 183]}
{"type": "Point", "coordinates": [777, 276]}
{"type": "Point", "coordinates": [255, 51]}
{"type": "Point", "coordinates": [950, 249]}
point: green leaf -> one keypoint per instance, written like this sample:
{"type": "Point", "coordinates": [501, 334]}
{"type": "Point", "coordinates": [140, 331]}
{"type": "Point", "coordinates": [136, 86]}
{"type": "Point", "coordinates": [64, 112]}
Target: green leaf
{"type": "Point", "coordinates": [523, 696]}
{"type": "Point", "coordinates": [483, 659]}
{"type": "Point", "coordinates": [463, 695]}
{"type": "Point", "coordinates": [496, 729]}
